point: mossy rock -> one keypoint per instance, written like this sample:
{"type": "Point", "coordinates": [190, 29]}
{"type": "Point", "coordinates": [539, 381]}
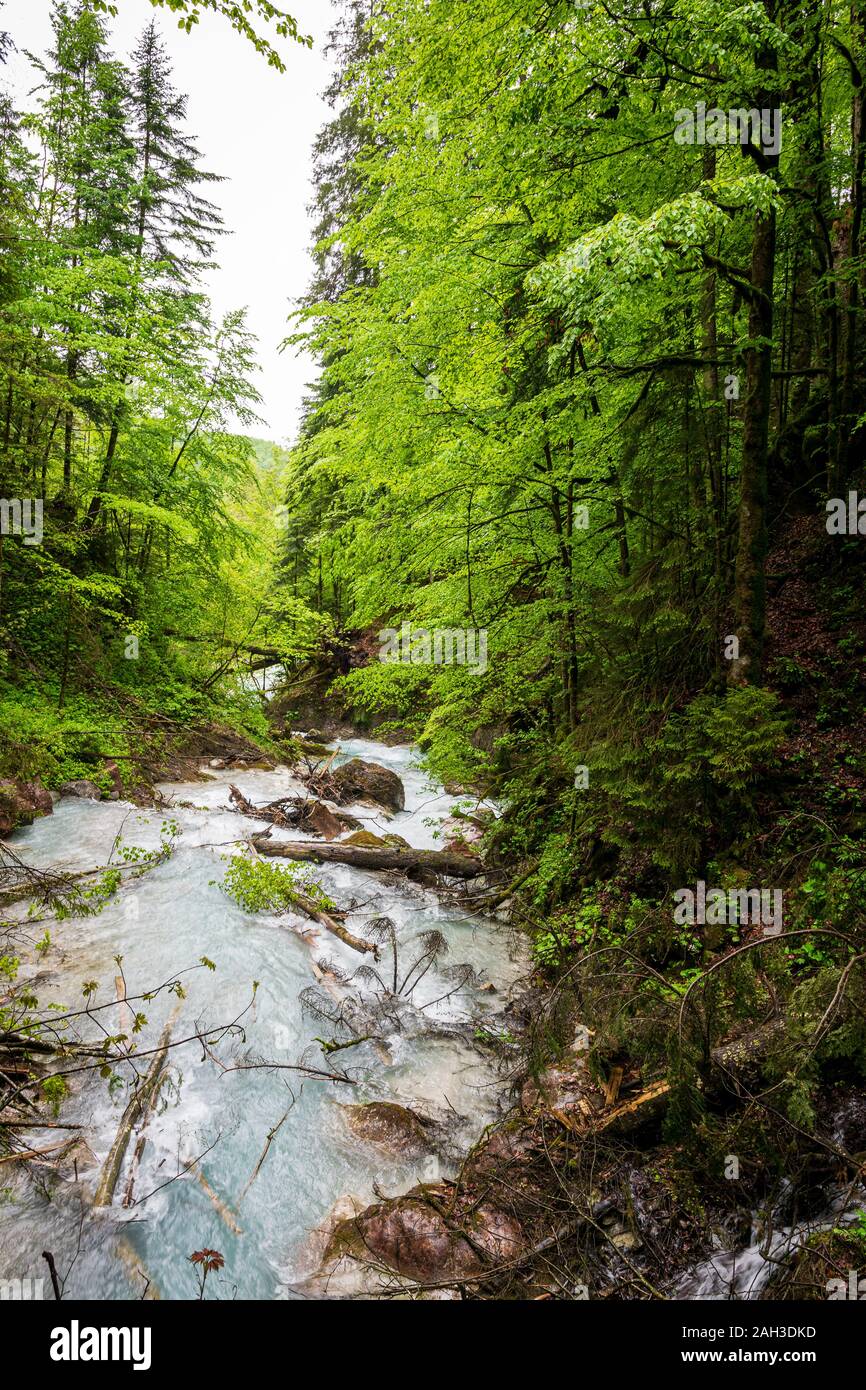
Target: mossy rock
{"type": "Point", "coordinates": [368, 840]}
{"type": "Point", "coordinates": [365, 839]}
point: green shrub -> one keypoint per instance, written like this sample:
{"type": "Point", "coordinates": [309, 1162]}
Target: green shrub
{"type": "Point", "coordinates": [257, 885]}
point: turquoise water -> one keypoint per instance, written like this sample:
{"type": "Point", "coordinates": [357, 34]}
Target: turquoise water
{"type": "Point", "coordinates": [165, 921]}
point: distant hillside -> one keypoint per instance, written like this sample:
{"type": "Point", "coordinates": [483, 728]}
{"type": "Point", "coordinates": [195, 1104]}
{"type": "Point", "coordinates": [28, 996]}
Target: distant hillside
{"type": "Point", "coordinates": [270, 457]}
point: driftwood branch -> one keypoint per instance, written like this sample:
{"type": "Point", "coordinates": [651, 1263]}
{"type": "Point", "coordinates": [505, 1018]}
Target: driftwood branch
{"type": "Point", "coordinates": [25, 1155]}
{"type": "Point", "coordinates": [297, 813]}
{"type": "Point", "coordinates": [318, 914]}
{"type": "Point", "coordinates": [140, 1099]}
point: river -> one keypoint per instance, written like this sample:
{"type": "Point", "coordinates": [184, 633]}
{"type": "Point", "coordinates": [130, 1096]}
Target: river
{"type": "Point", "coordinates": [164, 922]}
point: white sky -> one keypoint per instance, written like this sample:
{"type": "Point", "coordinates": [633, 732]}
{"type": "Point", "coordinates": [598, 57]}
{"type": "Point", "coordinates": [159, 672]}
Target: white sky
{"type": "Point", "coordinates": [253, 125]}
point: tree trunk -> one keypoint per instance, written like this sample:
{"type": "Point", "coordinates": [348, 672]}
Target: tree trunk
{"type": "Point", "coordinates": [750, 597]}
{"type": "Point", "coordinates": [441, 861]}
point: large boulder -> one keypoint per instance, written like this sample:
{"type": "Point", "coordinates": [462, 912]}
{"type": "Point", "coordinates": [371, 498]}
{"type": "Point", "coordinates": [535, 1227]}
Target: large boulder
{"type": "Point", "coordinates": [366, 839]}
{"type": "Point", "coordinates": [460, 835]}
{"type": "Point", "coordinates": [358, 780]}
{"type": "Point", "coordinates": [419, 1237]}
{"type": "Point", "coordinates": [87, 791]}
{"type": "Point", "coordinates": [21, 803]}
{"type": "Point", "coordinates": [392, 1127]}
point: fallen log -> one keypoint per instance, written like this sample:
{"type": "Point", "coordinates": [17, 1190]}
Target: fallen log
{"type": "Point", "coordinates": [270, 654]}
{"type": "Point", "coordinates": [221, 1207]}
{"type": "Point", "coordinates": [27, 1155]}
{"type": "Point", "coordinates": [130, 1258]}
{"type": "Point", "coordinates": [744, 1057]}
{"type": "Point", "coordinates": [140, 1143]}
{"type": "Point", "coordinates": [440, 861]}
{"type": "Point", "coordinates": [649, 1104]}
{"type": "Point", "coordinates": [17, 1043]}
{"type": "Point", "coordinates": [140, 1098]}
{"type": "Point", "coordinates": [20, 1042]}
{"type": "Point", "coordinates": [318, 914]}
{"type": "Point", "coordinates": [738, 1061]}
{"type": "Point", "coordinates": [36, 1124]}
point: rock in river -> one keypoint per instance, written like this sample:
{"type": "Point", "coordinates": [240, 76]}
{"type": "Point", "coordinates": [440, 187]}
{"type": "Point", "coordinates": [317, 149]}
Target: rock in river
{"type": "Point", "coordinates": [392, 1127]}
{"type": "Point", "coordinates": [357, 780]}
{"type": "Point", "coordinates": [420, 1237]}
{"type": "Point", "coordinates": [88, 791]}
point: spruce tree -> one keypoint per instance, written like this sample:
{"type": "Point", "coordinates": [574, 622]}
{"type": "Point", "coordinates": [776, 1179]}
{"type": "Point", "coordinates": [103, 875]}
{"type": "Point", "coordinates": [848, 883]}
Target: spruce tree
{"type": "Point", "coordinates": [173, 222]}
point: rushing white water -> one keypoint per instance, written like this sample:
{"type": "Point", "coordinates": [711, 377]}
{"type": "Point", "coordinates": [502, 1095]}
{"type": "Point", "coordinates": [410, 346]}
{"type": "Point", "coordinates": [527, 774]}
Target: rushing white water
{"type": "Point", "coordinates": [166, 921]}
{"type": "Point", "coordinates": [744, 1272]}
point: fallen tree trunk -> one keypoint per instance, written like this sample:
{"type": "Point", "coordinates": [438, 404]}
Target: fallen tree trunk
{"type": "Point", "coordinates": [141, 1097]}
{"type": "Point", "coordinates": [27, 1155]}
{"type": "Point", "coordinates": [22, 1043]}
{"type": "Point", "coordinates": [318, 914]}
{"type": "Point", "coordinates": [649, 1104]}
{"type": "Point", "coordinates": [440, 861]}
{"type": "Point", "coordinates": [739, 1061]}
{"type": "Point", "coordinates": [221, 1207]}
{"type": "Point", "coordinates": [271, 655]}
{"type": "Point", "coordinates": [745, 1056]}
{"type": "Point", "coordinates": [138, 1152]}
